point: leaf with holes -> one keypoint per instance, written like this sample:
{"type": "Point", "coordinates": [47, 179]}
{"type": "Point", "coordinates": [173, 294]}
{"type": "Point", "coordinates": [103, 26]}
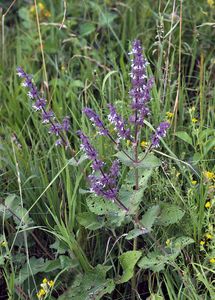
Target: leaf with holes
{"type": "Point", "coordinates": [90, 220]}
{"type": "Point", "coordinates": [128, 261]}
{"type": "Point", "coordinates": [170, 214]}
{"type": "Point", "coordinates": [91, 285]}
{"type": "Point", "coordinates": [150, 217]}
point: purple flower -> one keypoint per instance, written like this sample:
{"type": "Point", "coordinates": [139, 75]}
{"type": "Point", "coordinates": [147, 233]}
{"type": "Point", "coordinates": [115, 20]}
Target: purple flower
{"type": "Point", "coordinates": [160, 133]}
{"type": "Point", "coordinates": [87, 147]}
{"type": "Point", "coordinates": [39, 104]}
{"type": "Point", "coordinates": [119, 123]}
{"type": "Point", "coordinates": [140, 91]}
{"type": "Point", "coordinates": [105, 184]}
{"type": "Point", "coordinates": [47, 116]}
{"type": "Point", "coordinates": [55, 128]}
{"type": "Point", "coordinates": [95, 120]}
{"type": "Point", "coordinates": [66, 123]}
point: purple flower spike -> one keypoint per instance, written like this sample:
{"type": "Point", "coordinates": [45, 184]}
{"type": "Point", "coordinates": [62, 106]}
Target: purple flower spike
{"type": "Point", "coordinates": [140, 91]}
{"type": "Point", "coordinates": [55, 128]}
{"type": "Point", "coordinates": [39, 104]}
{"type": "Point", "coordinates": [119, 123]}
{"type": "Point", "coordinates": [95, 120]}
{"type": "Point", "coordinates": [160, 133]}
{"type": "Point", "coordinates": [87, 147]}
{"type": "Point", "coordinates": [47, 116]}
{"type": "Point", "coordinates": [66, 124]}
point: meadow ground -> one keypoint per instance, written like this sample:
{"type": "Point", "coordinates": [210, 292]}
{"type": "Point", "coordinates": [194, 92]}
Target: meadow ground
{"type": "Point", "coordinates": [155, 239]}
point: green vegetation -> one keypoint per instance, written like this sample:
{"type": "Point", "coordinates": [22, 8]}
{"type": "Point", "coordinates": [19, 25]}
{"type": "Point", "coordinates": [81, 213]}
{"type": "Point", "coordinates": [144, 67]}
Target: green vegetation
{"type": "Point", "coordinates": [59, 241]}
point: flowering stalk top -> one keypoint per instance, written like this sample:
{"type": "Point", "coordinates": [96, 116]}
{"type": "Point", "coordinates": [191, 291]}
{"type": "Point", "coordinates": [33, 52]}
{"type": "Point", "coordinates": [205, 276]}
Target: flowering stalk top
{"type": "Point", "coordinates": [140, 91]}
{"type": "Point", "coordinates": [40, 105]}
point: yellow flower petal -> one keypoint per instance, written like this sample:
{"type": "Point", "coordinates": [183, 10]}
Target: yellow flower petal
{"type": "Point", "coordinates": [208, 204]}
{"type": "Point", "coordinates": [144, 144]}
{"type": "Point", "coordinates": [208, 236]}
{"type": "Point", "coordinates": [194, 120]}
{"type": "Point", "coordinates": [212, 260]}
{"type": "Point", "coordinates": [51, 283]}
{"type": "Point", "coordinates": [194, 182]}
{"type": "Point", "coordinates": [202, 243]}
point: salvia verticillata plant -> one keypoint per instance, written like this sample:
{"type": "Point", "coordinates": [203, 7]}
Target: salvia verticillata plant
{"type": "Point", "coordinates": [114, 202]}
{"type": "Point", "coordinates": [103, 183]}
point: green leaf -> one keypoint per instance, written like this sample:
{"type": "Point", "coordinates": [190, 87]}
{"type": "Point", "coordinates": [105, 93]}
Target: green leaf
{"type": "Point", "coordinates": [135, 232]}
{"type": "Point", "coordinates": [92, 285]}
{"type": "Point", "coordinates": [74, 162]}
{"type": "Point", "coordinates": [106, 18]}
{"type": "Point", "coordinates": [11, 202]}
{"type": "Point", "coordinates": [154, 261]}
{"type": "Point", "coordinates": [36, 265]}
{"type": "Point", "coordinates": [128, 261]}
{"type": "Point", "coordinates": [131, 198]}
{"type": "Point", "coordinates": [170, 214]}
{"type": "Point", "coordinates": [150, 216]}
{"type": "Point", "coordinates": [90, 220]}
{"type": "Point", "coordinates": [149, 162]}
{"type": "Point", "coordinates": [181, 242]}
{"type": "Point", "coordinates": [1, 260]}
{"type": "Point", "coordinates": [209, 145]}
{"type": "Point", "coordinates": [100, 207]}
{"type": "Point", "coordinates": [183, 135]}
{"type": "Point", "coordinates": [87, 28]}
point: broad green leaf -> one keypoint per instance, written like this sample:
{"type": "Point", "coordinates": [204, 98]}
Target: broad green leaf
{"type": "Point", "coordinates": [150, 216]}
{"type": "Point", "coordinates": [170, 214]}
{"type": "Point", "coordinates": [209, 145]}
{"type": "Point", "coordinates": [181, 242]}
{"type": "Point", "coordinates": [149, 162]}
{"type": "Point", "coordinates": [75, 162]}
{"type": "Point", "coordinates": [128, 261]}
{"type": "Point", "coordinates": [36, 265]}
{"type": "Point", "coordinates": [1, 260]}
{"type": "Point", "coordinates": [92, 285]}
{"type": "Point", "coordinates": [106, 18]}
{"type": "Point", "coordinates": [154, 261]}
{"type": "Point", "coordinates": [99, 206]}
{"type": "Point", "coordinates": [131, 198]}
{"type": "Point", "coordinates": [90, 220]}
{"type": "Point", "coordinates": [135, 232]}
{"type": "Point", "coordinates": [87, 28]}
{"type": "Point", "coordinates": [183, 135]}
{"type": "Point", "coordinates": [11, 204]}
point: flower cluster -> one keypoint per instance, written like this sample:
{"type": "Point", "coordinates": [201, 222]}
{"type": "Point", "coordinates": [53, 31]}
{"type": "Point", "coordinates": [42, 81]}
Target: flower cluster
{"type": "Point", "coordinates": [102, 184]}
{"type": "Point", "coordinates": [95, 120]}
{"type": "Point", "coordinates": [40, 105]}
{"type": "Point", "coordinates": [140, 91]}
{"type": "Point", "coordinates": [46, 286]}
{"type": "Point", "coordinates": [160, 133]}
{"type": "Point", "coordinates": [119, 123]}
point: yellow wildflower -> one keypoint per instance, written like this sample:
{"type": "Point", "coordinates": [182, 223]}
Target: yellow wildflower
{"type": "Point", "coordinates": [51, 283]}
{"type": "Point", "coordinates": [3, 244]}
{"type": "Point", "coordinates": [210, 3]}
{"type": "Point", "coordinates": [194, 182]}
{"type": "Point", "coordinates": [169, 114]}
{"type": "Point", "coordinates": [208, 204]}
{"type": "Point", "coordinates": [208, 236]}
{"type": "Point", "coordinates": [128, 142]}
{"type": "Point", "coordinates": [41, 293]}
{"type": "Point", "coordinates": [209, 175]}
{"type": "Point", "coordinates": [202, 243]}
{"type": "Point", "coordinates": [144, 144]}
{"type": "Point", "coordinates": [168, 242]}
{"type": "Point", "coordinates": [41, 6]}
{"type": "Point", "coordinates": [212, 260]}
{"type": "Point", "coordinates": [178, 174]}
{"type": "Point", "coordinates": [32, 9]}
{"type": "Point", "coordinates": [45, 280]}
{"type": "Point", "coordinates": [194, 120]}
